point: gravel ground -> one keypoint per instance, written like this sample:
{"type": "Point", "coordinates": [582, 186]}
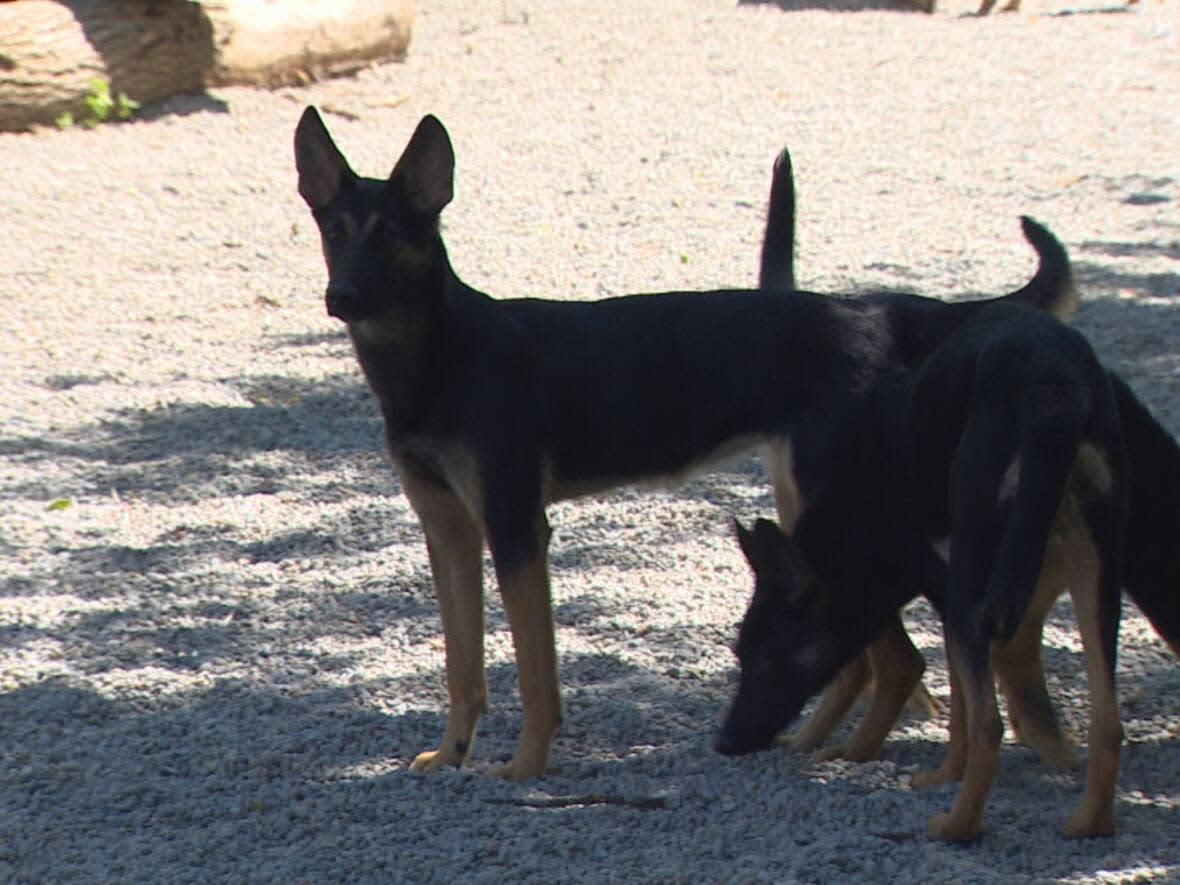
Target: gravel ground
{"type": "Point", "coordinates": [218, 644]}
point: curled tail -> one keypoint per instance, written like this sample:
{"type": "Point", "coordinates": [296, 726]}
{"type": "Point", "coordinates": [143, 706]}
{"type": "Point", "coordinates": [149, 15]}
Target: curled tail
{"type": "Point", "coordinates": [777, 271]}
{"type": "Point", "coordinates": [1052, 287]}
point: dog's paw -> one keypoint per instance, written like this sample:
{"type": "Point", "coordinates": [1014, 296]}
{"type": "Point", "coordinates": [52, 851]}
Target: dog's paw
{"type": "Point", "coordinates": [1086, 823]}
{"type": "Point", "coordinates": [830, 754]}
{"type": "Point", "coordinates": [949, 827]}
{"type": "Point", "coordinates": [435, 760]}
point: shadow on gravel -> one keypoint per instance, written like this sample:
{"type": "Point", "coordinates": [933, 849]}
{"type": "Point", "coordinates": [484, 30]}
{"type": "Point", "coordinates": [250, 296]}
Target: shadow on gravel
{"type": "Point", "coordinates": [187, 451]}
{"type": "Point", "coordinates": [87, 779]}
{"type": "Point", "coordinates": [188, 624]}
{"type": "Point", "coordinates": [834, 5]}
{"type": "Point", "coordinates": [1096, 277]}
{"type": "Point", "coordinates": [183, 106]}
{"type": "Point", "coordinates": [219, 781]}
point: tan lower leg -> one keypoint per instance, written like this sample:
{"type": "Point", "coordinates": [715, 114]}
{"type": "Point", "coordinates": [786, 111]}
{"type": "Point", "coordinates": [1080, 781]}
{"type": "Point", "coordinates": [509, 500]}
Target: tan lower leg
{"type": "Point", "coordinates": [530, 615]}
{"type": "Point", "coordinates": [455, 545]}
{"type": "Point", "coordinates": [837, 699]}
{"type": "Point", "coordinates": [897, 668]}
{"type": "Point", "coordinates": [955, 760]}
{"type": "Point", "coordinates": [1094, 816]}
{"type": "Point", "coordinates": [964, 822]}
{"type": "Point", "coordinates": [1020, 671]}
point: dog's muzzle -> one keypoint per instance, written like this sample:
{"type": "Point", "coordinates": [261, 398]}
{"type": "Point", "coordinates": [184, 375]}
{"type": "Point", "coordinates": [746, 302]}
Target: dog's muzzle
{"type": "Point", "coordinates": [341, 299]}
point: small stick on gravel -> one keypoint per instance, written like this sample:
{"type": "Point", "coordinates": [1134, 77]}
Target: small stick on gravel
{"type": "Point", "coordinates": [646, 803]}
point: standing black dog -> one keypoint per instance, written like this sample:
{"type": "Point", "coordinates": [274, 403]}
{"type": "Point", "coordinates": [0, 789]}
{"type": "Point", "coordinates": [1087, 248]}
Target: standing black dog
{"type": "Point", "coordinates": [494, 409]}
{"type": "Point", "coordinates": [1007, 439]}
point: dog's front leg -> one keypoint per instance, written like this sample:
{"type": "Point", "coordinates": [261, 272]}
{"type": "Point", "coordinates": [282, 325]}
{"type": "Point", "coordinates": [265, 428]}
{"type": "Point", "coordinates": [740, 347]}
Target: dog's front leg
{"type": "Point", "coordinates": [897, 670]}
{"type": "Point", "coordinates": [837, 700]}
{"type": "Point", "coordinates": [524, 587]}
{"type": "Point", "coordinates": [455, 545]}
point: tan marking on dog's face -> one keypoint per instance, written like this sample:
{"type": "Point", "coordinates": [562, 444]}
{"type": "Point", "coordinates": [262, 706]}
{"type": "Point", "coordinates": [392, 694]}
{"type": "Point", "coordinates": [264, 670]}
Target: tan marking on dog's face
{"type": "Point", "coordinates": [334, 233]}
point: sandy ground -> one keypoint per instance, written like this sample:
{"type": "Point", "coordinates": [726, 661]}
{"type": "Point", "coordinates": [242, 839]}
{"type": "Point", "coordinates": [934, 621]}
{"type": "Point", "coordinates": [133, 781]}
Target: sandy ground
{"type": "Point", "coordinates": [218, 644]}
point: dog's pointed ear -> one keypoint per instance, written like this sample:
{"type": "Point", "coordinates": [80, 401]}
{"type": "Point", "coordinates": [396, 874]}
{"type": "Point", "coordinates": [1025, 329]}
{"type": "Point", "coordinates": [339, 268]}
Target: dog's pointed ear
{"type": "Point", "coordinates": [775, 557]}
{"type": "Point", "coordinates": [745, 539]}
{"type": "Point", "coordinates": [761, 544]}
{"type": "Point", "coordinates": [323, 171]}
{"type": "Point", "coordinates": [424, 176]}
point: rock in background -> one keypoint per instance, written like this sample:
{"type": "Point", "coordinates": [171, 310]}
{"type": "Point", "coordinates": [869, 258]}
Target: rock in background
{"type": "Point", "coordinates": [52, 52]}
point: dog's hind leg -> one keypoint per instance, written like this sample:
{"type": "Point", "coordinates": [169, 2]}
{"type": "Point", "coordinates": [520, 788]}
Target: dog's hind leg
{"type": "Point", "coordinates": [980, 527]}
{"type": "Point", "coordinates": [1020, 671]}
{"type": "Point", "coordinates": [524, 587]}
{"type": "Point", "coordinates": [964, 822]}
{"type": "Point", "coordinates": [1094, 586]}
{"type": "Point", "coordinates": [455, 545]}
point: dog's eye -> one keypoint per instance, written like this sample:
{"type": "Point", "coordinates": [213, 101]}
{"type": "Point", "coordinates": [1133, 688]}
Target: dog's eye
{"type": "Point", "coordinates": [334, 232]}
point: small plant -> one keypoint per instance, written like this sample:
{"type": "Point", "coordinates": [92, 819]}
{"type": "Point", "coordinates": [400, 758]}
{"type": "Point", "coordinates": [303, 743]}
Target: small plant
{"type": "Point", "coordinates": [101, 107]}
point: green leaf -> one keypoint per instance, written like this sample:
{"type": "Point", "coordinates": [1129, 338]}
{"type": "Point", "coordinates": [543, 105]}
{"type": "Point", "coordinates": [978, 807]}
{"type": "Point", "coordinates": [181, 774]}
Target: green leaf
{"type": "Point", "coordinates": [64, 120]}
{"type": "Point", "coordinates": [99, 100]}
{"type": "Point", "coordinates": [60, 504]}
{"type": "Point", "coordinates": [127, 106]}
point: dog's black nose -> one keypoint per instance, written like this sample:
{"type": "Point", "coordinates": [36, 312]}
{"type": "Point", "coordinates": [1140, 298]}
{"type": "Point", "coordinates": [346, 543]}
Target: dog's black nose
{"type": "Point", "coordinates": [339, 298]}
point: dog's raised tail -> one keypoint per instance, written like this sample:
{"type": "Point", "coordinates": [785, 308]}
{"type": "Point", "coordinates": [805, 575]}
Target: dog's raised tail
{"type": "Point", "coordinates": [777, 270]}
{"type": "Point", "coordinates": [1052, 287]}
